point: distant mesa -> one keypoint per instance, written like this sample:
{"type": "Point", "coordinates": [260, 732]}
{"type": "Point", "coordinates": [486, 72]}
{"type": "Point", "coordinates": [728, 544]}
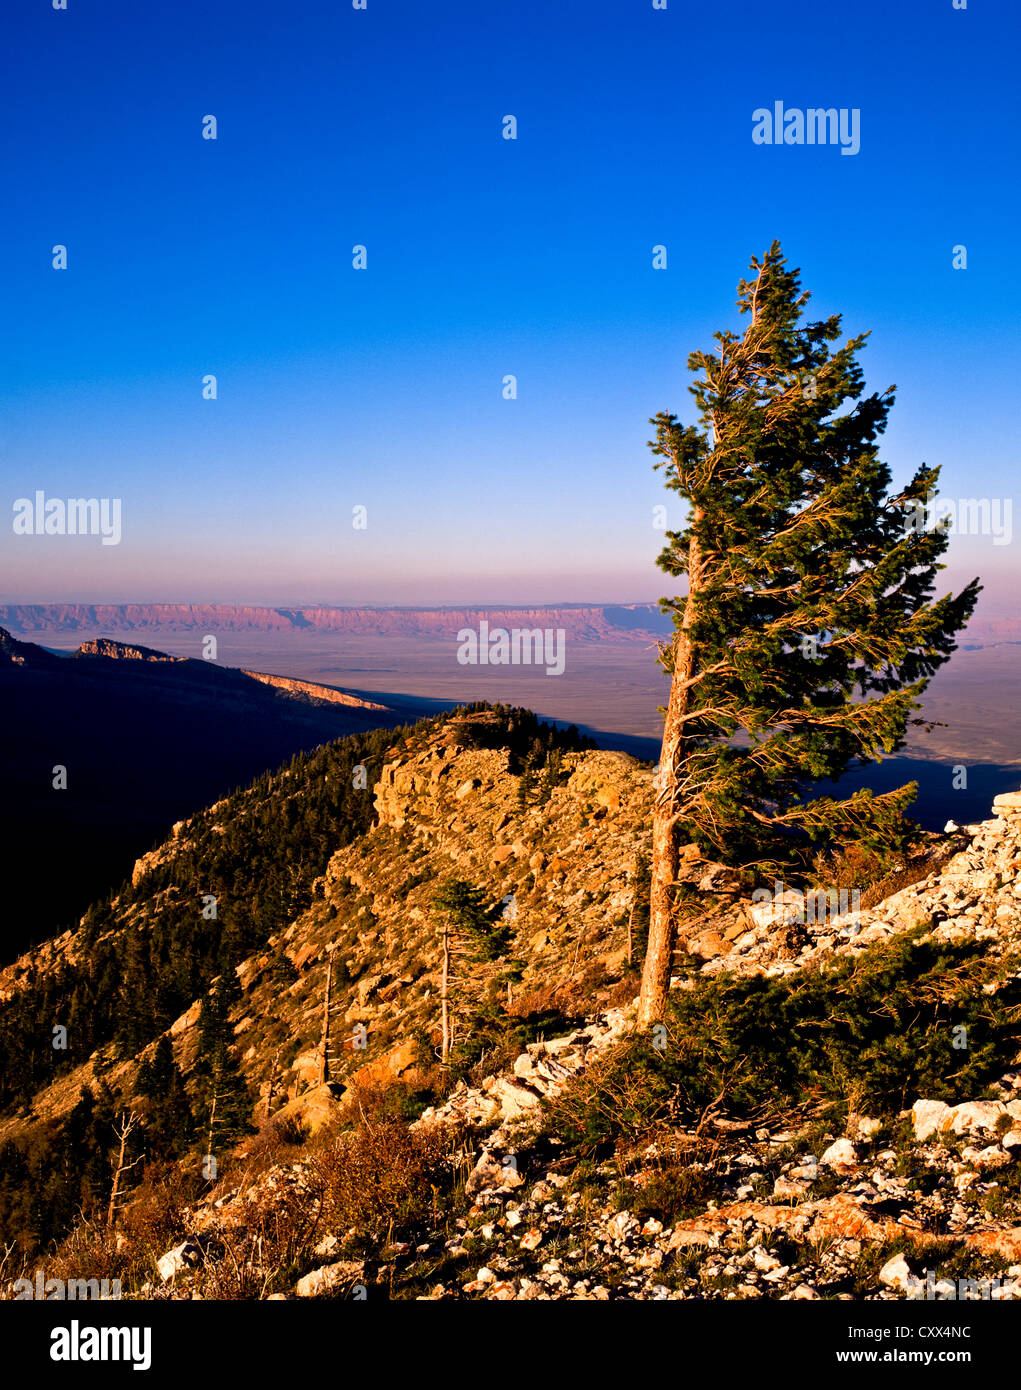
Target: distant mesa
{"type": "Point", "coordinates": [585, 622]}
{"type": "Point", "coordinates": [27, 654]}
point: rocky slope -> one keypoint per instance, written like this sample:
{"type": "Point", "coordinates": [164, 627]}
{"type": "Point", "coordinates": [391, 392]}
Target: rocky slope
{"type": "Point", "coordinates": [801, 1198]}
{"type": "Point", "coordinates": [441, 810]}
{"type": "Point", "coordinates": [877, 1211]}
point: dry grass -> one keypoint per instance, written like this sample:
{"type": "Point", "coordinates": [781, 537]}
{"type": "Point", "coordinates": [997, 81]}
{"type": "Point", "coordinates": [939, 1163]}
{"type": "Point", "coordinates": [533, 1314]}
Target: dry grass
{"type": "Point", "coordinates": [148, 1225]}
{"type": "Point", "coordinates": [270, 1238]}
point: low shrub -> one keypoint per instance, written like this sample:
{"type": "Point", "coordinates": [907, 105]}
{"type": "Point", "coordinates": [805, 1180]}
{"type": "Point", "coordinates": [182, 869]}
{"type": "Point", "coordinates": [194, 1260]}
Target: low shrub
{"type": "Point", "coordinates": [876, 1031]}
{"type": "Point", "coordinates": [383, 1175]}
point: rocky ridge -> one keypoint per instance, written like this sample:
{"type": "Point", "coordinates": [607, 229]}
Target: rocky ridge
{"type": "Point", "coordinates": [797, 1209]}
{"type": "Point", "coordinates": [443, 809]}
{"type": "Point", "coordinates": [798, 1213]}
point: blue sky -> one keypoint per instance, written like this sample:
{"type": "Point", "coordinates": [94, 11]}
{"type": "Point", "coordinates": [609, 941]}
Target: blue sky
{"type": "Point", "coordinates": [486, 257]}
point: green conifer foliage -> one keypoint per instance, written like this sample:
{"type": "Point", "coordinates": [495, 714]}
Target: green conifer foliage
{"type": "Point", "coordinates": [809, 628]}
{"type": "Point", "coordinates": [225, 1104]}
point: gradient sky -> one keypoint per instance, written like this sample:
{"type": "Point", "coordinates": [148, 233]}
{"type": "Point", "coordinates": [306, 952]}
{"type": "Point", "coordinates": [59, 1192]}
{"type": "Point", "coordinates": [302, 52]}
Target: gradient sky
{"type": "Point", "coordinates": [485, 257]}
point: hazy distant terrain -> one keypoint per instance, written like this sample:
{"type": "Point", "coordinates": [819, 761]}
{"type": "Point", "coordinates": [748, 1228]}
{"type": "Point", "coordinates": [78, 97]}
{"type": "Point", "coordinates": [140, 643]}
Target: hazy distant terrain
{"type": "Point", "coordinates": [611, 687]}
{"type": "Point", "coordinates": [611, 683]}
{"type": "Point", "coordinates": [586, 621]}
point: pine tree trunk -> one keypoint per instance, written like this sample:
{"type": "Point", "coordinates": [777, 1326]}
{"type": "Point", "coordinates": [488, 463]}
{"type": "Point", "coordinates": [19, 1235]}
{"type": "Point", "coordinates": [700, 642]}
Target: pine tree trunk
{"type": "Point", "coordinates": [631, 922]}
{"type": "Point", "coordinates": [127, 1126]}
{"type": "Point", "coordinates": [324, 1045]}
{"type": "Point", "coordinates": [659, 954]}
{"type": "Point", "coordinates": [115, 1190]}
{"type": "Point", "coordinates": [274, 1072]}
{"type": "Point", "coordinates": [445, 1044]}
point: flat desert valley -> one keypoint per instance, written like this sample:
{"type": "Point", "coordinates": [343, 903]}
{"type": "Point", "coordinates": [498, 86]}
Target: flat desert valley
{"type": "Point", "coordinates": [612, 689]}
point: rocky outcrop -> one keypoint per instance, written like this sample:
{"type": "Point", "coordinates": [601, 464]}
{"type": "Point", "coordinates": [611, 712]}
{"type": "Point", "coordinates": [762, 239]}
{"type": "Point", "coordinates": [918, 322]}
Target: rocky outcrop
{"type": "Point", "coordinates": [328, 1279]}
{"type": "Point", "coordinates": [324, 694]}
{"type": "Point", "coordinates": [975, 894]}
{"type": "Point", "coordinates": [532, 1233]}
{"type": "Point", "coordinates": [15, 653]}
{"type": "Point", "coordinates": [121, 651]}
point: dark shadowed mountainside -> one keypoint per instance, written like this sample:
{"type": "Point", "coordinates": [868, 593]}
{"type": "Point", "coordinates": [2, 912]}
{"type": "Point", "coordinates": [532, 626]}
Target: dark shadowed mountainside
{"type": "Point", "coordinates": [144, 739]}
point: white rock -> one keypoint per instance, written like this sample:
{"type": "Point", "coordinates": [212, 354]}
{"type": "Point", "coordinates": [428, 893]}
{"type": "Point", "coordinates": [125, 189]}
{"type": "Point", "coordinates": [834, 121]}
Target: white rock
{"type": "Point", "coordinates": [184, 1256]}
{"type": "Point", "coordinates": [985, 1159]}
{"type": "Point", "coordinates": [787, 906]}
{"type": "Point", "coordinates": [865, 1127]}
{"type": "Point", "coordinates": [982, 1115]}
{"type": "Point", "coordinates": [524, 1067]}
{"type": "Point", "coordinates": [621, 1223]}
{"type": "Point", "coordinates": [489, 1172]}
{"type": "Point", "coordinates": [515, 1099]}
{"type": "Point", "coordinates": [808, 1170]}
{"type": "Point", "coordinates": [927, 1116]}
{"type": "Point", "coordinates": [329, 1277]}
{"type": "Point", "coordinates": [790, 1187]}
{"type": "Point", "coordinates": [896, 1274]}
{"type": "Point", "coordinates": [841, 1156]}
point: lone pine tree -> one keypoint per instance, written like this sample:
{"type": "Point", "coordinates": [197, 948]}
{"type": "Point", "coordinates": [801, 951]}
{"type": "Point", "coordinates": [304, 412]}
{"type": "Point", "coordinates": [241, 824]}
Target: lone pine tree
{"type": "Point", "coordinates": [468, 929]}
{"type": "Point", "coordinates": [224, 1103]}
{"type": "Point", "coordinates": [809, 629]}
{"type": "Point", "coordinates": [163, 1101]}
